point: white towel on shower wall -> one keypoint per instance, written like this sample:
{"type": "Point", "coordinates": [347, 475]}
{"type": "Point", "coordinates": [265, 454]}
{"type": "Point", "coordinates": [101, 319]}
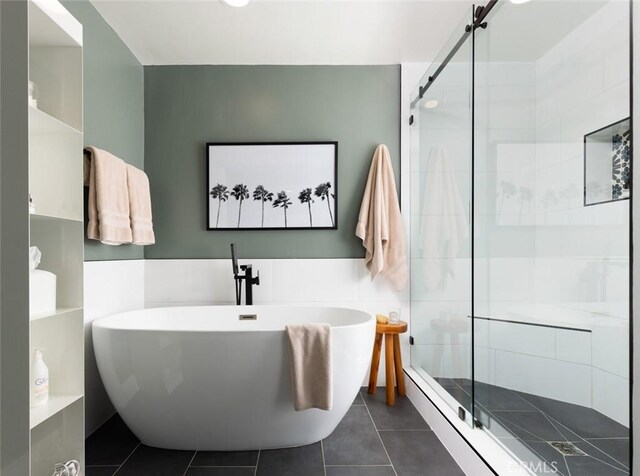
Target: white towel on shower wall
{"type": "Point", "coordinates": [311, 368]}
{"type": "Point", "coordinates": [444, 222]}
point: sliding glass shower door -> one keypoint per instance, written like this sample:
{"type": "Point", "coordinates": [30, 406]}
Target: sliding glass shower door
{"type": "Point", "coordinates": [520, 251]}
{"type": "Point", "coordinates": [440, 205]}
{"type": "Point", "coordinates": [552, 182]}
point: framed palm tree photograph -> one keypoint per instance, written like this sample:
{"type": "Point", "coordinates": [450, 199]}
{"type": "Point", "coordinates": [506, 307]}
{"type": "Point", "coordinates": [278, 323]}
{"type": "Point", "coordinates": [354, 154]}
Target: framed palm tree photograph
{"type": "Point", "coordinates": [272, 185]}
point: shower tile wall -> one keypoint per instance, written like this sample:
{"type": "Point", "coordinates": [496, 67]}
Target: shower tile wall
{"type": "Point", "coordinates": [582, 253]}
{"type": "Point", "coordinates": [339, 282]}
{"type": "Point", "coordinates": [544, 256]}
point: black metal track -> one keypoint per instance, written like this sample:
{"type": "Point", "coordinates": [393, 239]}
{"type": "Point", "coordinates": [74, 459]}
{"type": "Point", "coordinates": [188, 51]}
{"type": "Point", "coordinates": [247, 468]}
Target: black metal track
{"type": "Point", "coordinates": [481, 14]}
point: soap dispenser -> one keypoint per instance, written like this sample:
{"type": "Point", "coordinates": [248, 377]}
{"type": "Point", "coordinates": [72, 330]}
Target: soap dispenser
{"type": "Point", "coordinates": [39, 380]}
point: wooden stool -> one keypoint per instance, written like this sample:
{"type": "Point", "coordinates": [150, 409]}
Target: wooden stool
{"type": "Point", "coordinates": [393, 357]}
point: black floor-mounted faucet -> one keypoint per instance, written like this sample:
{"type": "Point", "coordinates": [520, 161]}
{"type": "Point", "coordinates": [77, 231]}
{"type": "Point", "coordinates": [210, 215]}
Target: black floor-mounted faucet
{"type": "Point", "coordinates": [248, 277]}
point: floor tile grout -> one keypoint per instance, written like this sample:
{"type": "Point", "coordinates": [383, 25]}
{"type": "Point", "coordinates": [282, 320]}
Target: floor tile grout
{"type": "Point", "coordinates": [139, 446]}
{"type": "Point", "coordinates": [127, 458]}
{"type": "Point", "coordinates": [536, 409]}
{"type": "Point", "coordinates": [588, 443]}
{"type": "Point", "coordinates": [189, 465]}
{"type": "Point", "coordinates": [358, 466]}
{"type": "Point", "coordinates": [375, 427]}
{"type": "Point", "coordinates": [609, 438]}
{"type": "Point", "coordinates": [324, 464]}
{"type": "Point", "coordinates": [255, 473]}
{"type": "Point", "coordinates": [414, 429]}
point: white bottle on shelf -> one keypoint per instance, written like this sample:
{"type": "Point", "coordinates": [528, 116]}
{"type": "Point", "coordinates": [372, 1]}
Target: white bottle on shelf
{"type": "Point", "coordinates": [39, 380]}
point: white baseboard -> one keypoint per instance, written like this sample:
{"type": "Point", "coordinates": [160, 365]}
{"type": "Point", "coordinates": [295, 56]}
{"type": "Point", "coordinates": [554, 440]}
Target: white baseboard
{"type": "Point", "coordinates": [477, 453]}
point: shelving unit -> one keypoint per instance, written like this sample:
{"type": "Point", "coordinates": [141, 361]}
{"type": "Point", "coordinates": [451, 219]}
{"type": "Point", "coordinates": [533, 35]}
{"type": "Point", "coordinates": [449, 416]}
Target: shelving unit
{"type": "Point", "coordinates": [56, 228]}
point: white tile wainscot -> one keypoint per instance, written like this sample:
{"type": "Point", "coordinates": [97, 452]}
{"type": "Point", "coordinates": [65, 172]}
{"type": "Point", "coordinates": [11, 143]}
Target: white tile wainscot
{"type": "Point", "coordinates": [326, 282]}
{"type": "Point", "coordinates": [109, 287]}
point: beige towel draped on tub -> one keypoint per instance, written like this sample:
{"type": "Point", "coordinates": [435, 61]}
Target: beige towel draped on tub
{"type": "Point", "coordinates": [108, 198]}
{"type": "Point", "coordinates": [380, 223]}
{"type": "Point", "coordinates": [311, 368]}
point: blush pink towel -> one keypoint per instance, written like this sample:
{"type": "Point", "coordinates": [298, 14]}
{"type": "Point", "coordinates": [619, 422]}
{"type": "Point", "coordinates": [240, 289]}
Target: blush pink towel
{"type": "Point", "coordinates": [108, 206]}
{"type": "Point", "coordinates": [311, 368]}
{"type": "Point", "coordinates": [380, 223]}
{"type": "Point", "coordinates": [140, 206]}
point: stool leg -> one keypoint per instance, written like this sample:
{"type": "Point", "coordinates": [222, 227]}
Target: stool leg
{"type": "Point", "coordinates": [398, 362]}
{"type": "Point", "coordinates": [391, 394]}
{"type": "Point", "coordinates": [375, 362]}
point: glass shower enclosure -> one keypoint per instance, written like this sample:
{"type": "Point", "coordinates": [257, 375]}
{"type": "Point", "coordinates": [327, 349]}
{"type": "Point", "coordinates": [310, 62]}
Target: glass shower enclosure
{"type": "Point", "coordinates": [520, 238]}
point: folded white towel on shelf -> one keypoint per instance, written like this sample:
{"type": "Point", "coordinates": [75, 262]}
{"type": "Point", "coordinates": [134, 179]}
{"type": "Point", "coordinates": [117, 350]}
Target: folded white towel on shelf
{"type": "Point", "coordinates": [311, 367]}
{"type": "Point", "coordinates": [108, 206]}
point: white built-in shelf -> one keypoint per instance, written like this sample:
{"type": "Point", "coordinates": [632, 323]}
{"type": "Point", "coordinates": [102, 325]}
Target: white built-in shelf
{"type": "Point", "coordinates": [41, 122]}
{"type": "Point", "coordinates": [55, 185]}
{"type": "Point", "coordinates": [61, 311]}
{"type": "Point", "coordinates": [56, 404]}
{"type": "Point", "coordinates": [45, 218]}
{"type": "Point", "coordinates": [50, 24]}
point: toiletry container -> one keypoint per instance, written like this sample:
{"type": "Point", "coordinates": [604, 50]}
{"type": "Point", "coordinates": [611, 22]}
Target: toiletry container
{"type": "Point", "coordinates": [39, 380]}
{"type": "Point", "coordinates": [42, 286]}
{"type": "Point", "coordinates": [42, 292]}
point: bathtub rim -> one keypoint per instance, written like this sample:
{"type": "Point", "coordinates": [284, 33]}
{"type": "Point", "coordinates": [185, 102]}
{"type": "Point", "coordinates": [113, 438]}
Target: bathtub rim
{"type": "Point", "coordinates": [105, 322]}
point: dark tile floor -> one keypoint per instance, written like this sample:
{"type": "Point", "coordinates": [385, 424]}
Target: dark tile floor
{"type": "Point", "coordinates": [372, 440]}
{"type": "Point", "coordinates": [527, 424]}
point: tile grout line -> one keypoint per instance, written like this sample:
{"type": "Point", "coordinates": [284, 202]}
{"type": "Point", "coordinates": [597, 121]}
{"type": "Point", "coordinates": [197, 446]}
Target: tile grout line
{"type": "Point", "coordinates": [536, 409]}
{"type": "Point", "coordinates": [535, 452]}
{"type": "Point", "coordinates": [255, 473]}
{"type": "Point", "coordinates": [566, 465]}
{"type": "Point", "coordinates": [607, 438]}
{"type": "Point", "coordinates": [224, 466]}
{"type": "Point", "coordinates": [358, 466]}
{"type": "Point", "coordinates": [623, 471]}
{"type": "Point", "coordinates": [538, 438]}
{"type": "Point", "coordinates": [127, 458]}
{"type": "Point", "coordinates": [552, 420]}
{"type": "Point", "coordinates": [407, 429]}
{"type": "Point", "coordinates": [191, 461]}
{"type": "Point", "coordinates": [324, 464]}
{"type": "Point", "coordinates": [375, 427]}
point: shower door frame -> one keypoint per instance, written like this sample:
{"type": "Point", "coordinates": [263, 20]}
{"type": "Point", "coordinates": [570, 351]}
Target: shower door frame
{"type": "Point", "coordinates": [480, 13]}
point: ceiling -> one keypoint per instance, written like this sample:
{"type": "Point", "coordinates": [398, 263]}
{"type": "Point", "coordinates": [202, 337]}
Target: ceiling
{"type": "Point", "coordinates": [283, 32]}
{"type": "Point", "coordinates": [352, 32]}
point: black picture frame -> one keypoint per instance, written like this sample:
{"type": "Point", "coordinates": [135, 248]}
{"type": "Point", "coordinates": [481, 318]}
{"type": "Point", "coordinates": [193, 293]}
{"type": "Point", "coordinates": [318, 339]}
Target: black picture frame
{"type": "Point", "coordinates": [330, 149]}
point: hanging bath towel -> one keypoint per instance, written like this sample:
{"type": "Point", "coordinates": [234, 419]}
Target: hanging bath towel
{"type": "Point", "coordinates": [444, 223]}
{"type": "Point", "coordinates": [140, 206]}
{"type": "Point", "coordinates": [108, 206]}
{"type": "Point", "coordinates": [380, 224]}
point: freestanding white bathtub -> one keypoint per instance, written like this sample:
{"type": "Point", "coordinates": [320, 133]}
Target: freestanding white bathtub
{"type": "Point", "coordinates": [199, 378]}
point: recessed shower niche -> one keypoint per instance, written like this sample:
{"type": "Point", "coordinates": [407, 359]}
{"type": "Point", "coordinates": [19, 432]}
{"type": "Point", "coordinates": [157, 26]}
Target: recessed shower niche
{"type": "Point", "coordinates": [607, 163]}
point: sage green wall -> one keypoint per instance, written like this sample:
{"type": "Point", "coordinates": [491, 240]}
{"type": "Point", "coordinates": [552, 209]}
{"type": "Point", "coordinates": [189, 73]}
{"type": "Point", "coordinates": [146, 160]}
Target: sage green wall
{"type": "Point", "coordinates": [113, 105]}
{"type": "Point", "coordinates": [187, 106]}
